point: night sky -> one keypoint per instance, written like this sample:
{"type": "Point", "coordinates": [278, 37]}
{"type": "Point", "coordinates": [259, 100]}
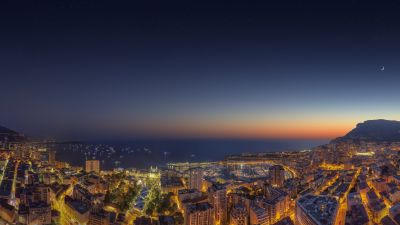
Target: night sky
{"type": "Point", "coordinates": [242, 69]}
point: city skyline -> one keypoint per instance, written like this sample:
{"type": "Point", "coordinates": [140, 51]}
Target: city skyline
{"type": "Point", "coordinates": [212, 112]}
{"type": "Point", "coordinates": [292, 69]}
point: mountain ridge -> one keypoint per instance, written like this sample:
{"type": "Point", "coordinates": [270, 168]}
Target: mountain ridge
{"type": "Point", "coordinates": [5, 130]}
{"type": "Point", "coordinates": [8, 135]}
{"type": "Point", "coordinates": [379, 130]}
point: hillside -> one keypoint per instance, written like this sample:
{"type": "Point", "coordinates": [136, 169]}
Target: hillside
{"type": "Point", "coordinates": [7, 134]}
{"type": "Point", "coordinates": [5, 130]}
{"type": "Point", "coordinates": [374, 130]}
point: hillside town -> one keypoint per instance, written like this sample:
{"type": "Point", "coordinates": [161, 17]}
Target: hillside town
{"type": "Point", "coordinates": [343, 182]}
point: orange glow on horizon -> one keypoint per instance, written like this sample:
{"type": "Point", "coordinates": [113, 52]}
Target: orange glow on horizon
{"type": "Point", "coordinates": [242, 129]}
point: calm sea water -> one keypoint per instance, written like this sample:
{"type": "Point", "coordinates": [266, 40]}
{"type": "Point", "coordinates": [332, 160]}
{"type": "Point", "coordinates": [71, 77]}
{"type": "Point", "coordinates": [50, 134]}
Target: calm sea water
{"type": "Point", "coordinates": [146, 153]}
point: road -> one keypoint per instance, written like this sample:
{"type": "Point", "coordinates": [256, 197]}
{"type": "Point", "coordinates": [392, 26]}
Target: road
{"type": "Point", "coordinates": [14, 184]}
{"type": "Point", "coordinates": [4, 170]}
{"type": "Point", "coordinates": [59, 205]}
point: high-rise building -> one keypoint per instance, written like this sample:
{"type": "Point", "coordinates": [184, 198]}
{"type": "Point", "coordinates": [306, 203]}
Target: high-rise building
{"type": "Point", "coordinates": [35, 193]}
{"type": "Point", "coordinates": [92, 166]}
{"type": "Point", "coordinates": [356, 212]}
{"type": "Point", "coordinates": [196, 178]}
{"type": "Point", "coordinates": [34, 213]}
{"type": "Point", "coordinates": [76, 211]}
{"type": "Point", "coordinates": [34, 205]}
{"type": "Point", "coordinates": [82, 194]}
{"type": "Point", "coordinates": [199, 214]}
{"type": "Point", "coordinates": [219, 200]}
{"type": "Point", "coordinates": [277, 175]}
{"type": "Point", "coordinates": [316, 210]}
{"type": "Point", "coordinates": [239, 215]}
{"type": "Point", "coordinates": [258, 215]}
{"type": "Point", "coordinates": [275, 202]}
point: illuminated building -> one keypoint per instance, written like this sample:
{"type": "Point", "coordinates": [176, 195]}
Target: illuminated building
{"type": "Point", "coordinates": [239, 215]}
{"type": "Point", "coordinates": [376, 206]}
{"type": "Point", "coordinates": [275, 202]}
{"type": "Point", "coordinates": [82, 194]}
{"type": "Point", "coordinates": [331, 166]}
{"type": "Point", "coordinates": [258, 215]}
{"type": "Point", "coordinates": [92, 166]}
{"type": "Point", "coordinates": [218, 199]}
{"type": "Point", "coordinates": [99, 217]}
{"type": "Point", "coordinates": [171, 184]}
{"type": "Point", "coordinates": [316, 210]}
{"type": "Point", "coordinates": [190, 196]}
{"type": "Point", "coordinates": [277, 175]}
{"type": "Point", "coordinates": [196, 178]}
{"type": "Point", "coordinates": [34, 204]}
{"type": "Point", "coordinates": [7, 212]}
{"type": "Point", "coordinates": [76, 211]}
{"type": "Point", "coordinates": [239, 196]}
{"type": "Point", "coordinates": [34, 213]}
{"type": "Point", "coordinates": [356, 214]}
{"type": "Point", "coordinates": [199, 214]}
{"type": "Point", "coordinates": [61, 165]}
{"type": "Point", "coordinates": [35, 193]}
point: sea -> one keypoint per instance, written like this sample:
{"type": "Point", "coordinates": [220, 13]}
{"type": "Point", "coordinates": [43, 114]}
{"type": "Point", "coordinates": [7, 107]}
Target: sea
{"type": "Point", "coordinates": [143, 154]}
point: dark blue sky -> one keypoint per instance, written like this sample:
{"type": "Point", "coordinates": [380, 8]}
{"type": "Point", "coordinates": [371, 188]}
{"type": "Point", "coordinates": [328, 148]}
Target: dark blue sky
{"type": "Point", "coordinates": [205, 68]}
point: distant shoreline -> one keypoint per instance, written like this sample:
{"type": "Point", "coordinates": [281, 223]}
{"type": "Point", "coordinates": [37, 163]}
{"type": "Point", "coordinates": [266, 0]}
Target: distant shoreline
{"type": "Point", "coordinates": [143, 154]}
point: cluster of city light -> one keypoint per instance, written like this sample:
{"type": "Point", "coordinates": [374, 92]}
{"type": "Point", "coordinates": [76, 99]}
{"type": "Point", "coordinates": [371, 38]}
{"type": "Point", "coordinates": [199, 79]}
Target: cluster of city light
{"type": "Point", "coordinates": [365, 153]}
{"type": "Point", "coordinates": [315, 173]}
{"type": "Point", "coordinates": [328, 166]}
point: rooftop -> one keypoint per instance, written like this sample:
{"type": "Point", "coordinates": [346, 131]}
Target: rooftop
{"type": "Point", "coordinates": [395, 209]}
{"type": "Point", "coordinates": [356, 215]}
{"type": "Point", "coordinates": [362, 185]}
{"type": "Point", "coordinates": [387, 221]}
{"type": "Point", "coordinates": [195, 200]}
{"type": "Point", "coordinates": [203, 206]}
{"type": "Point", "coordinates": [321, 208]}
{"type": "Point", "coordinates": [187, 191]}
{"type": "Point", "coordinates": [372, 195]}
{"type": "Point", "coordinates": [77, 205]}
